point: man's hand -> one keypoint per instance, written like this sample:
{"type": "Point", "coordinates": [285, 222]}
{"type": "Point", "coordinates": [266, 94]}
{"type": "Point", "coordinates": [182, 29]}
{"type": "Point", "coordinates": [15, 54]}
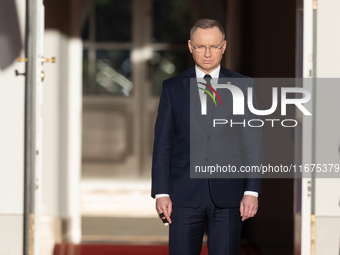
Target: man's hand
{"type": "Point", "coordinates": [248, 207]}
{"type": "Point", "coordinates": [164, 205]}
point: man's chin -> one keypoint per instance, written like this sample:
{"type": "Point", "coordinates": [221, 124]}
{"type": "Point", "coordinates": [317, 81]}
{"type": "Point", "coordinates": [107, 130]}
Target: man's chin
{"type": "Point", "coordinates": [208, 67]}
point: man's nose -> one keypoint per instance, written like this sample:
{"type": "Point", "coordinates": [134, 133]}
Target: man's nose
{"type": "Point", "coordinates": [207, 52]}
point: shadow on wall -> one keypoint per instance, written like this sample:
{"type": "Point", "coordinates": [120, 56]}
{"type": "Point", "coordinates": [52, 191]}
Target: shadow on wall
{"type": "Point", "coordinates": [10, 38]}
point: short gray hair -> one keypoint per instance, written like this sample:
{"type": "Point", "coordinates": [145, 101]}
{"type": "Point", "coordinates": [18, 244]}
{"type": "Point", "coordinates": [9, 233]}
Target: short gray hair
{"type": "Point", "coordinates": [205, 24]}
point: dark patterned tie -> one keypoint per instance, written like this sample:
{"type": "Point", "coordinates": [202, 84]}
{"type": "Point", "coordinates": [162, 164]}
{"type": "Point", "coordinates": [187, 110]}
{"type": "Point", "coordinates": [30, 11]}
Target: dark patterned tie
{"type": "Point", "coordinates": [210, 102]}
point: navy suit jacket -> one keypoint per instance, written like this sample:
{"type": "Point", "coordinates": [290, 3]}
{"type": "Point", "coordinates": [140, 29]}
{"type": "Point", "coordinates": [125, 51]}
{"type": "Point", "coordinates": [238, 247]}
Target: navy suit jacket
{"type": "Point", "coordinates": [171, 153]}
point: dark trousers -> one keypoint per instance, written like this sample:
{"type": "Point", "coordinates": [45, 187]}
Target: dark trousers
{"type": "Point", "coordinates": [186, 231]}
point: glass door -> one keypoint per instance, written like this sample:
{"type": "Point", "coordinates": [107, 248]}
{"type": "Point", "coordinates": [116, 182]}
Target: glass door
{"type": "Point", "coordinates": [130, 47]}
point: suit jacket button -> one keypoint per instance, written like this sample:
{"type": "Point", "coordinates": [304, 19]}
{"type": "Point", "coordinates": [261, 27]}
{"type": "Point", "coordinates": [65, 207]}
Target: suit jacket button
{"type": "Point", "coordinates": [209, 137]}
{"type": "Point", "coordinates": [206, 158]}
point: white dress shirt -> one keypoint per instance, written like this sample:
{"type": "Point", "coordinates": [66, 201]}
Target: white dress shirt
{"type": "Point", "coordinates": [214, 74]}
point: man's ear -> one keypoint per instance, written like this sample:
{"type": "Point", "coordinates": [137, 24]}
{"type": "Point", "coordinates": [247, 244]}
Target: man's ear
{"type": "Point", "coordinates": [225, 46]}
{"type": "Point", "coordinates": [190, 46]}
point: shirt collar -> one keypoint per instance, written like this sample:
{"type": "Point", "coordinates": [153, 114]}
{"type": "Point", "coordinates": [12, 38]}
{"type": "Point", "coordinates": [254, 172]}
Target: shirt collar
{"type": "Point", "coordinates": [214, 74]}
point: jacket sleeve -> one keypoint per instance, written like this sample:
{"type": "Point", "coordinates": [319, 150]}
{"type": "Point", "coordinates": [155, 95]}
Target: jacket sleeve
{"type": "Point", "coordinates": [252, 146]}
{"type": "Point", "coordinates": [163, 144]}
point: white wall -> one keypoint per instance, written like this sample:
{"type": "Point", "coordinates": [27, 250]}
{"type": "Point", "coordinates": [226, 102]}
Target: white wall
{"type": "Point", "coordinates": [12, 90]}
{"type": "Point", "coordinates": [61, 112]}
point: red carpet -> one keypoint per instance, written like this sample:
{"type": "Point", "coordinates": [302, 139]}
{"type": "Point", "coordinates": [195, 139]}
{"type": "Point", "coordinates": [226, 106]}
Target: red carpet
{"type": "Point", "coordinates": [110, 249]}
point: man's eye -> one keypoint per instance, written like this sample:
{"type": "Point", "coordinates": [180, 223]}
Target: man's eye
{"type": "Point", "coordinates": [213, 47]}
{"type": "Point", "coordinates": [201, 47]}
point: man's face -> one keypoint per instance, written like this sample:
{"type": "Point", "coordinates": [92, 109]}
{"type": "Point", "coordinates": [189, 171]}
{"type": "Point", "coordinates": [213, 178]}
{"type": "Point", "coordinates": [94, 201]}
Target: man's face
{"type": "Point", "coordinates": [207, 61]}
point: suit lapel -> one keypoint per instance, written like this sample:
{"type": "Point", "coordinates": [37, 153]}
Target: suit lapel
{"type": "Point", "coordinates": [194, 99]}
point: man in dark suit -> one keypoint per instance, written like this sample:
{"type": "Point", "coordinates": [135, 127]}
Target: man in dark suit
{"type": "Point", "coordinates": [191, 204]}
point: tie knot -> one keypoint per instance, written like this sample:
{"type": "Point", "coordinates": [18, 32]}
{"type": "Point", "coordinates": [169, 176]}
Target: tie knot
{"type": "Point", "coordinates": [207, 77]}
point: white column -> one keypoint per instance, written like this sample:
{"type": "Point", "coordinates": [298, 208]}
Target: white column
{"type": "Point", "coordinates": [327, 191]}
{"type": "Point", "coordinates": [70, 150]}
{"type": "Point", "coordinates": [62, 111]}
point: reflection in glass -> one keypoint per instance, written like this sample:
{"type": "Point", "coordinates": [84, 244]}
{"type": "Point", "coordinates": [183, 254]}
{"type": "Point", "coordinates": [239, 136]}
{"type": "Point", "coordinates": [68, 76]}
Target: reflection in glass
{"type": "Point", "coordinates": [166, 64]}
{"type": "Point", "coordinates": [113, 72]}
{"type": "Point", "coordinates": [171, 21]}
{"type": "Point", "coordinates": [113, 20]}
